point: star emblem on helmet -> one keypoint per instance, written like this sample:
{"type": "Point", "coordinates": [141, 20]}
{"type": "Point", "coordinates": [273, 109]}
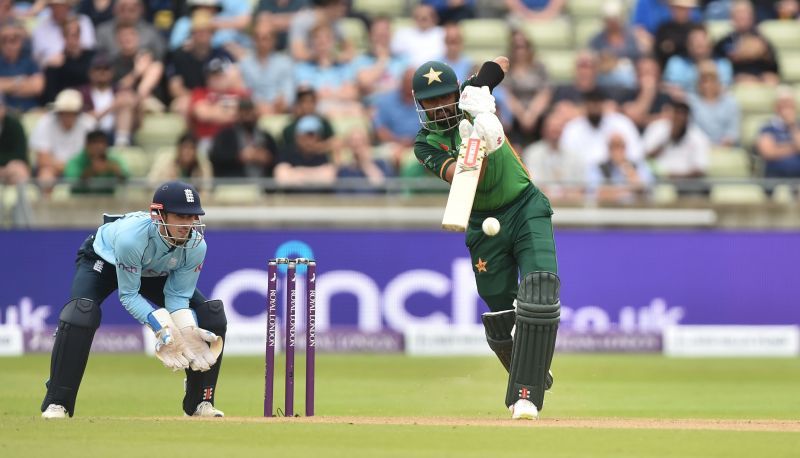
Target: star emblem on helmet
{"type": "Point", "coordinates": [432, 76]}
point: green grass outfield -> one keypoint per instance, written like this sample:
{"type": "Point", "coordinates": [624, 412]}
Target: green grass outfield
{"type": "Point", "coordinates": [381, 406]}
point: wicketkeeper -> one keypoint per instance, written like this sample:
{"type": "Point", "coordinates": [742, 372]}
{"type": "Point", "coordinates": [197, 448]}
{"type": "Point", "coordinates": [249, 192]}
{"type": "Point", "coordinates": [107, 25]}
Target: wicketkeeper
{"type": "Point", "coordinates": [524, 248]}
{"type": "Point", "coordinates": [155, 257]}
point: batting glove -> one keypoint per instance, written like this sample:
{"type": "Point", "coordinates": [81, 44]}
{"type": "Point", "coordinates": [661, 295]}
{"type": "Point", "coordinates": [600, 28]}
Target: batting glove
{"type": "Point", "coordinates": [196, 340]}
{"type": "Point", "coordinates": [169, 343]}
{"type": "Point", "coordinates": [476, 100]}
{"type": "Point", "coordinates": [490, 130]}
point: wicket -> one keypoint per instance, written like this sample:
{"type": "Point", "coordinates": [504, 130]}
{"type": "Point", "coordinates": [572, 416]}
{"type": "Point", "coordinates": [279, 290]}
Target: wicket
{"type": "Point", "coordinates": [290, 331]}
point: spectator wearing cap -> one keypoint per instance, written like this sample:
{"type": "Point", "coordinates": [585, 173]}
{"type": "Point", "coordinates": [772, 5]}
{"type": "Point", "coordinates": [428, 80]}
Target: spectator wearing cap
{"type": "Point", "coordinates": [135, 69]}
{"type": "Point", "coordinates": [230, 18]}
{"type": "Point", "coordinates": [327, 13]}
{"type": "Point", "coordinates": [379, 69]}
{"type": "Point", "coordinates": [753, 57]}
{"type": "Point", "coordinates": [266, 73]}
{"type": "Point", "coordinates": [616, 48]}
{"type": "Point", "coordinates": [48, 39]}
{"type": "Point", "coordinates": [714, 109]}
{"type": "Point", "coordinates": [670, 38]}
{"type": "Point", "coordinates": [333, 81]}
{"type": "Point", "coordinates": [186, 69]}
{"type": "Point", "coordinates": [114, 111]}
{"type": "Point", "coordinates": [184, 164]}
{"type": "Point", "coordinates": [307, 161]}
{"type": "Point", "coordinates": [588, 134]}
{"type": "Point", "coordinates": [130, 13]}
{"type": "Point", "coordinates": [59, 135]}
{"type": "Point", "coordinates": [649, 15]}
{"type": "Point", "coordinates": [14, 167]}
{"type": "Point", "coordinates": [95, 169]}
{"type": "Point", "coordinates": [675, 146]}
{"type": "Point", "coordinates": [214, 107]}
{"type": "Point", "coordinates": [778, 142]}
{"type": "Point", "coordinates": [681, 72]}
{"type": "Point", "coordinates": [20, 78]}
{"type": "Point", "coordinates": [306, 104]}
{"type": "Point", "coordinates": [244, 149]}
{"type": "Point", "coordinates": [395, 122]}
{"type": "Point", "coordinates": [70, 68]}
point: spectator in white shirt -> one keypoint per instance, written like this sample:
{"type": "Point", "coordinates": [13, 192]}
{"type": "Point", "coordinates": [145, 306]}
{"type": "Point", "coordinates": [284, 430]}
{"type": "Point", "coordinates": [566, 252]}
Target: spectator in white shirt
{"type": "Point", "coordinates": [676, 147]}
{"type": "Point", "coordinates": [47, 36]}
{"type": "Point", "coordinates": [59, 135]}
{"type": "Point", "coordinates": [562, 174]}
{"type": "Point", "coordinates": [589, 134]}
{"type": "Point", "coordinates": [424, 41]}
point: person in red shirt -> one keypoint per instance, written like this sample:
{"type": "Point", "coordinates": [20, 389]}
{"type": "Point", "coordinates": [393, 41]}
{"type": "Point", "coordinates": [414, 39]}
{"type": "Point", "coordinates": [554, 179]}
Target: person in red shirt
{"type": "Point", "coordinates": [215, 106]}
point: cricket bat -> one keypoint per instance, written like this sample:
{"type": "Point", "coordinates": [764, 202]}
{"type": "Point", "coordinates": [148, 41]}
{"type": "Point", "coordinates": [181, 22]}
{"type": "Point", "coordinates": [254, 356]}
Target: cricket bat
{"type": "Point", "coordinates": [471, 154]}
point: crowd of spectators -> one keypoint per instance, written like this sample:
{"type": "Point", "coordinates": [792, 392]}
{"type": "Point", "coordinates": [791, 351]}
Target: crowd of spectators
{"type": "Point", "coordinates": [651, 96]}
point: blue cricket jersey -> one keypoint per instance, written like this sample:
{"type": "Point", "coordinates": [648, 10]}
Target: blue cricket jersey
{"type": "Point", "coordinates": [133, 245]}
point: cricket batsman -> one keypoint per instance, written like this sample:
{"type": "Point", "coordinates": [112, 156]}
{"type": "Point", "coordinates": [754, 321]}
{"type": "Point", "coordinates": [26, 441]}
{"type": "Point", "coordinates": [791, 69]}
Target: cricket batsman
{"type": "Point", "coordinates": [516, 270]}
{"type": "Point", "coordinates": [155, 257]}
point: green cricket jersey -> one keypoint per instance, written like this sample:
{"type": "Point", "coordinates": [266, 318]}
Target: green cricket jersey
{"type": "Point", "coordinates": [505, 177]}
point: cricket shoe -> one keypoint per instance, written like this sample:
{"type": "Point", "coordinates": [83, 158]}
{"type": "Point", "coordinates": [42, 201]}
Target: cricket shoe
{"type": "Point", "coordinates": [206, 409]}
{"type": "Point", "coordinates": [524, 409]}
{"type": "Point", "coordinates": [55, 411]}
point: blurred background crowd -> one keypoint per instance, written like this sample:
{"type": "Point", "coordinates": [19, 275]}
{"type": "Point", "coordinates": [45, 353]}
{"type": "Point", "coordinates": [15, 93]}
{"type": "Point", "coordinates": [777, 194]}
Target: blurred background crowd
{"type": "Point", "coordinates": [616, 101]}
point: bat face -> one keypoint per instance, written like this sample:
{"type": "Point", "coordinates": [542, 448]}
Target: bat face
{"type": "Point", "coordinates": [465, 181]}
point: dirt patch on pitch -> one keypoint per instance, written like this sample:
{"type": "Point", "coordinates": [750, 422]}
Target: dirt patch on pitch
{"type": "Point", "coordinates": [588, 423]}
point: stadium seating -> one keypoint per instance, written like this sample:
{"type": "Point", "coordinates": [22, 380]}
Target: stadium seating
{"type": "Point", "coordinates": [237, 193]}
{"type": "Point", "coordinates": [754, 98]}
{"type": "Point", "coordinates": [783, 194]}
{"type": "Point", "coordinates": [718, 29]}
{"type": "Point", "coordinates": [728, 163]}
{"type": "Point", "coordinates": [160, 130]}
{"type": "Point", "coordinates": [355, 31]}
{"type": "Point", "coordinates": [485, 34]}
{"type": "Point", "coordinates": [784, 35]}
{"type": "Point", "coordinates": [274, 124]}
{"type": "Point", "coordinates": [737, 194]}
{"type": "Point", "coordinates": [374, 8]}
{"type": "Point", "coordinates": [137, 159]}
{"type": "Point", "coordinates": [560, 64]}
{"type": "Point", "coordinates": [664, 194]}
{"type": "Point", "coordinates": [585, 30]}
{"type": "Point", "coordinates": [790, 65]}
{"type": "Point", "coordinates": [751, 125]}
{"type": "Point", "coordinates": [585, 8]}
{"type": "Point", "coordinates": [555, 34]}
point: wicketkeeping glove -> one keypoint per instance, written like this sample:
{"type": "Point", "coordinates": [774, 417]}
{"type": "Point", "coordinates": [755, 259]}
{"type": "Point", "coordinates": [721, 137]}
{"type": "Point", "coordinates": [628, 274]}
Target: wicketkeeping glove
{"type": "Point", "coordinates": [490, 130]}
{"type": "Point", "coordinates": [196, 340]}
{"type": "Point", "coordinates": [476, 100]}
{"type": "Point", "coordinates": [169, 343]}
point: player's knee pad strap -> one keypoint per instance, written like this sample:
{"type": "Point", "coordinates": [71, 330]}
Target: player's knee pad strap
{"type": "Point", "coordinates": [538, 314]}
{"type": "Point", "coordinates": [211, 316]}
{"type": "Point", "coordinates": [81, 312]}
{"type": "Point", "coordinates": [498, 327]}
